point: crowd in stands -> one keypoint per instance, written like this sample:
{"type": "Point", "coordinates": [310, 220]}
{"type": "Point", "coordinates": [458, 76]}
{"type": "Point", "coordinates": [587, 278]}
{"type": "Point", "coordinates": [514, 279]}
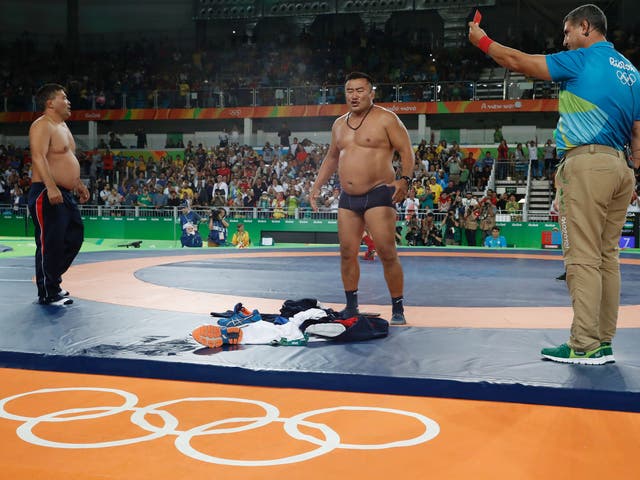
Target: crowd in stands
{"type": "Point", "coordinates": [443, 205]}
{"type": "Point", "coordinates": [448, 202]}
{"type": "Point", "coordinates": [274, 181]}
{"type": "Point", "coordinates": [154, 72]}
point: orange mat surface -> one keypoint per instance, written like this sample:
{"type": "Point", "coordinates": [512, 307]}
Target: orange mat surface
{"type": "Point", "coordinates": [81, 427]}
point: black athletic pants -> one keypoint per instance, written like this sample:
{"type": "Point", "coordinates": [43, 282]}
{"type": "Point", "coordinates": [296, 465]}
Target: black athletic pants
{"type": "Point", "coordinates": [59, 234]}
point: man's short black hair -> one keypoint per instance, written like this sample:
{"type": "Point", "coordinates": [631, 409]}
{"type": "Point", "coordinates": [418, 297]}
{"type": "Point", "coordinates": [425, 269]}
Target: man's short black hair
{"type": "Point", "coordinates": [594, 17]}
{"type": "Point", "coordinates": [495, 228]}
{"type": "Point", "coordinates": [47, 92]}
{"type": "Point", "coordinates": [356, 75]}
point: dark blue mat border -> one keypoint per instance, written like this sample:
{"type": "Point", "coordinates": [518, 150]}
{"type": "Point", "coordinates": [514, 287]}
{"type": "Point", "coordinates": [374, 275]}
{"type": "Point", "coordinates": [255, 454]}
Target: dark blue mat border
{"type": "Point", "coordinates": [481, 391]}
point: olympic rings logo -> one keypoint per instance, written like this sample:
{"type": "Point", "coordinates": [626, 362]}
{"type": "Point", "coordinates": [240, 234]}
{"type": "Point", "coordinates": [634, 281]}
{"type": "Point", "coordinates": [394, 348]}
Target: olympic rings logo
{"type": "Point", "coordinates": [329, 441]}
{"type": "Point", "coordinates": [626, 78]}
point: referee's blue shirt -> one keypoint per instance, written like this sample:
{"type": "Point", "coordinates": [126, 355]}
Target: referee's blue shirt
{"type": "Point", "coordinates": [599, 97]}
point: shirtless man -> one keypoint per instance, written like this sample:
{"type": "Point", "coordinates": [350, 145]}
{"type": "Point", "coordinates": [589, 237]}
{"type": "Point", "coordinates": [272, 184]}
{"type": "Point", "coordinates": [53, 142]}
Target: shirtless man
{"type": "Point", "coordinates": [56, 178]}
{"type": "Point", "coordinates": [363, 142]}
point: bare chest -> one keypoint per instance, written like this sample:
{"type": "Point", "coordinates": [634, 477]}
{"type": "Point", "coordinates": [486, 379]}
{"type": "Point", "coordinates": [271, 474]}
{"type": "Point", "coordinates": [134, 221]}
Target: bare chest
{"type": "Point", "coordinates": [61, 141]}
{"type": "Point", "coordinates": [366, 136]}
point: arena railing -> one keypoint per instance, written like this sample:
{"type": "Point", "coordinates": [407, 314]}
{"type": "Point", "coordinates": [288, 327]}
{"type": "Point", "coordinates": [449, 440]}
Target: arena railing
{"type": "Point", "coordinates": [215, 97]}
{"type": "Point", "coordinates": [266, 213]}
{"type": "Point", "coordinates": [240, 213]}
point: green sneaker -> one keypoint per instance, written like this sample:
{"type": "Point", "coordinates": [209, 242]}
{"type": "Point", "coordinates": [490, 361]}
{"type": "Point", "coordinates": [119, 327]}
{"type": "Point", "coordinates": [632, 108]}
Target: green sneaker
{"type": "Point", "coordinates": [607, 351]}
{"type": "Point", "coordinates": [565, 354]}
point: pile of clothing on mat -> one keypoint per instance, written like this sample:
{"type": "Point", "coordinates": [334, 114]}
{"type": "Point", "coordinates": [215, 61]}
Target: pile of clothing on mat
{"type": "Point", "coordinates": [298, 322]}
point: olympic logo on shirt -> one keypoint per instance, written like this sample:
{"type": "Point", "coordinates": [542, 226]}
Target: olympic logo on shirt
{"type": "Point", "coordinates": [626, 78]}
{"type": "Point", "coordinates": [329, 441]}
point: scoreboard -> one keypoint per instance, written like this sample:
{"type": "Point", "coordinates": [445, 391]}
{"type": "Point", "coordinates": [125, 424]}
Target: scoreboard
{"type": "Point", "coordinates": [629, 238]}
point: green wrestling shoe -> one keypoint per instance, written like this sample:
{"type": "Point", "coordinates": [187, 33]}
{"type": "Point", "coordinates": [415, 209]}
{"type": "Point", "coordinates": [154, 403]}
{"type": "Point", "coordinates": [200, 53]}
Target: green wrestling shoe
{"type": "Point", "coordinates": [607, 351]}
{"type": "Point", "coordinates": [565, 354]}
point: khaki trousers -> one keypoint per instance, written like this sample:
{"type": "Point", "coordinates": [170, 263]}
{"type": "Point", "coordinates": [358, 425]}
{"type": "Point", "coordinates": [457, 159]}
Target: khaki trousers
{"type": "Point", "coordinates": [594, 186]}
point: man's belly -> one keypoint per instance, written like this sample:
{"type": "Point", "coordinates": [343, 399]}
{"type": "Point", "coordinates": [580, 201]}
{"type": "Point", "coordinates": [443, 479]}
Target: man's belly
{"type": "Point", "coordinates": [65, 170]}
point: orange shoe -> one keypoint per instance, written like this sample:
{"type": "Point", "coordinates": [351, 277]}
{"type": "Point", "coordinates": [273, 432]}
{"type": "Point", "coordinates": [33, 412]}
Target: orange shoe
{"type": "Point", "coordinates": [213, 336]}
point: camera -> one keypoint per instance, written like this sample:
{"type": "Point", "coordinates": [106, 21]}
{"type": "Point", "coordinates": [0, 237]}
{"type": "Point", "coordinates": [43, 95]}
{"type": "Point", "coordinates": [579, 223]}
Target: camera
{"type": "Point", "coordinates": [218, 213]}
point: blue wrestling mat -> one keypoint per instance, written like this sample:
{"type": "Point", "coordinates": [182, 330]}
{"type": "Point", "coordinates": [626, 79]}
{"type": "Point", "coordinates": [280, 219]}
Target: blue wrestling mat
{"type": "Point", "coordinates": [471, 363]}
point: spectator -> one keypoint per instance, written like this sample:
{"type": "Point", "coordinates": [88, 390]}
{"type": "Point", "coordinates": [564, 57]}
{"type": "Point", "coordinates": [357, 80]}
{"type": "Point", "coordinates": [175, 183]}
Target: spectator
{"type": "Point", "coordinates": [513, 208]}
{"type": "Point", "coordinates": [141, 138]}
{"type": "Point", "coordinates": [521, 164]}
{"type": "Point", "coordinates": [284, 133]}
{"type": "Point", "coordinates": [436, 189]}
{"type": "Point", "coordinates": [536, 167]}
{"type": "Point", "coordinates": [221, 185]}
{"type": "Point", "coordinates": [160, 199]}
{"type": "Point", "coordinates": [174, 199]}
{"type": "Point", "coordinates": [144, 199]}
{"type": "Point", "coordinates": [292, 202]}
{"type": "Point", "coordinates": [104, 194]}
{"type": "Point", "coordinates": [503, 167]}
{"type": "Point", "coordinates": [131, 198]}
{"type": "Point", "coordinates": [487, 160]}
{"type": "Point", "coordinates": [549, 153]}
{"type": "Point", "coordinates": [18, 199]}
{"type": "Point", "coordinates": [278, 205]}
{"type": "Point", "coordinates": [411, 205]}
{"type": "Point", "coordinates": [114, 200]}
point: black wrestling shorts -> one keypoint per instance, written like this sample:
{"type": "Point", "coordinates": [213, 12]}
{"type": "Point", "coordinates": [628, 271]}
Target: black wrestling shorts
{"type": "Point", "coordinates": [379, 196]}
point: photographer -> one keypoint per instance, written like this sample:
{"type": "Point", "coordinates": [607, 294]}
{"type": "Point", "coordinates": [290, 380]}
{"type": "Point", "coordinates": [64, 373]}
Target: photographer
{"type": "Point", "coordinates": [450, 229]}
{"type": "Point", "coordinates": [471, 215]}
{"type": "Point", "coordinates": [487, 217]}
{"type": "Point", "coordinates": [430, 232]}
{"type": "Point", "coordinates": [413, 235]}
{"type": "Point", "coordinates": [217, 228]}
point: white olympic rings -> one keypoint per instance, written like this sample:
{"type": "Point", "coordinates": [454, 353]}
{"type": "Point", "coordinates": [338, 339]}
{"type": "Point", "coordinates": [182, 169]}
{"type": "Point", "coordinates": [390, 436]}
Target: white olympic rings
{"type": "Point", "coordinates": [330, 438]}
{"type": "Point", "coordinates": [626, 78]}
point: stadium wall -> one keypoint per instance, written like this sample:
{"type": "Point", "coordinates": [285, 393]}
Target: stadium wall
{"type": "Point", "coordinates": [518, 234]}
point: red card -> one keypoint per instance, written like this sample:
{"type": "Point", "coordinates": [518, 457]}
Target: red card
{"type": "Point", "coordinates": [477, 17]}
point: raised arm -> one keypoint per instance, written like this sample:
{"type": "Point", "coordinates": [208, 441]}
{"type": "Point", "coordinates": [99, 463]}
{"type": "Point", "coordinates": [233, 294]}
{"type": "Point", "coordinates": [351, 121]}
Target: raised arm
{"type": "Point", "coordinates": [531, 65]}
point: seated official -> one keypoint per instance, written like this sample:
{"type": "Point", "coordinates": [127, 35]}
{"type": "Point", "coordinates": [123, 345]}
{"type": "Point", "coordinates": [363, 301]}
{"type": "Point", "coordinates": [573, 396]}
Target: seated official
{"type": "Point", "coordinates": [241, 238]}
{"type": "Point", "coordinates": [190, 236]}
{"type": "Point", "coordinates": [187, 215]}
{"type": "Point", "coordinates": [495, 240]}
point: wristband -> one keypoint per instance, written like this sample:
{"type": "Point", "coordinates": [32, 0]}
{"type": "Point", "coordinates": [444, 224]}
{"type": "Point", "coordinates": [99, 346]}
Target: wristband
{"type": "Point", "coordinates": [484, 44]}
{"type": "Point", "coordinates": [407, 179]}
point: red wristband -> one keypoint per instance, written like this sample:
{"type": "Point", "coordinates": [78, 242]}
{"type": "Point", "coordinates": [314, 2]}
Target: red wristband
{"type": "Point", "coordinates": [484, 44]}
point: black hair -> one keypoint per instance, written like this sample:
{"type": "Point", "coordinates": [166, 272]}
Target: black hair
{"type": "Point", "coordinates": [594, 17]}
{"type": "Point", "coordinates": [47, 92]}
{"type": "Point", "coordinates": [356, 75]}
